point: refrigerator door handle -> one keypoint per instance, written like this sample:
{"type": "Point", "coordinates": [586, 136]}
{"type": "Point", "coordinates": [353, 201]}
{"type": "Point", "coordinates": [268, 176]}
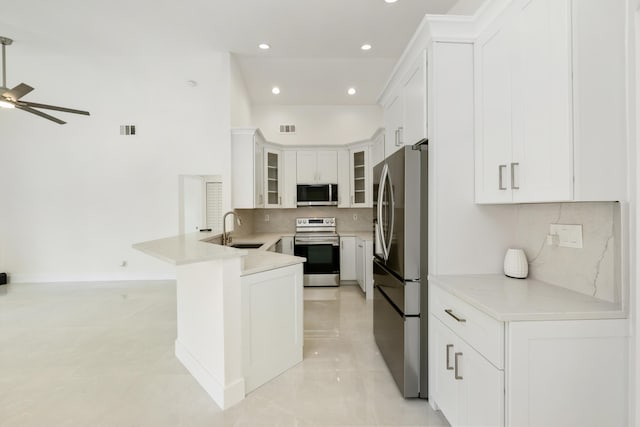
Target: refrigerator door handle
{"type": "Point", "coordinates": [381, 231]}
{"type": "Point", "coordinates": [393, 217]}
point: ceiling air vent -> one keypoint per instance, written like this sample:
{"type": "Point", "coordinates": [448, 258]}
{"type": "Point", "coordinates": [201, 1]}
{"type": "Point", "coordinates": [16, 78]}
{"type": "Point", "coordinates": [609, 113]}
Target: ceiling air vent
{"type": "Point", "coordinates": [287, 128]}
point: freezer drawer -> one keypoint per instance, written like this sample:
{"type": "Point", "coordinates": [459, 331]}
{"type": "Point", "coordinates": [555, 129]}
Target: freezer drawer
{"type": "Point", "coordinates": [404, 295]}
{"type": "Point", "coordinates": [398, 338]}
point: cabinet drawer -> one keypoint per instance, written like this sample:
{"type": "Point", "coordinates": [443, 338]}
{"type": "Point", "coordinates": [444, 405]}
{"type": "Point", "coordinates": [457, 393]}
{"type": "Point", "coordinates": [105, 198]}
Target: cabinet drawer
{"type": "Point", "coordinates": [479, 330]}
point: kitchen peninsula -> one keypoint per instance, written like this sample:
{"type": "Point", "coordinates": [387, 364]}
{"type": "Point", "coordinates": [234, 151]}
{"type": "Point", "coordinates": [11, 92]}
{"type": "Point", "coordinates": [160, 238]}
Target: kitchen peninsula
{"type": "Point", "coordinates": [239, 312]}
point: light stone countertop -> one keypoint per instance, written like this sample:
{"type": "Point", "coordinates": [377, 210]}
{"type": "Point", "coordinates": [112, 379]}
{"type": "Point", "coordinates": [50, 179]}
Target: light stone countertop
{"type": "Point", "coordinates": [507, 299]}
{"type": "Point", "coordinates": [197, 247]}
{"type": "Point", "coordinates": [363, 235]}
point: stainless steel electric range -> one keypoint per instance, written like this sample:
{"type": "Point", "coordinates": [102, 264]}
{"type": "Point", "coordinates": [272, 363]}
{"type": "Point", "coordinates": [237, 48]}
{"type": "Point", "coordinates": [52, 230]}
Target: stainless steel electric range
{"type": "Point", "coordinates": [316, 239]}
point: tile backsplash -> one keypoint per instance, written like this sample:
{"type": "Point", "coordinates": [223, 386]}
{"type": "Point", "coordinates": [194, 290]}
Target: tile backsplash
{"type": "Point", "coordinates": [592, 270]}
{"type": "Point", "coordinates": [284, 220]}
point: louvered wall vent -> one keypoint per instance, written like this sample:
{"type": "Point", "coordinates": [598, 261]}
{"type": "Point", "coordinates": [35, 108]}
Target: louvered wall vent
{"type": "Point", "coordinates": [287, 128]}
{"type": "Point", "coordinates": [127, 129]}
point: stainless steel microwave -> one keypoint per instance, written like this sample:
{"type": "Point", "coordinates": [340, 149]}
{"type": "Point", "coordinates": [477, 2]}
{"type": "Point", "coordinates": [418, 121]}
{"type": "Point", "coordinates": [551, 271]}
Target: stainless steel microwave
{"type": "Point", "coordinates": [317, 195]}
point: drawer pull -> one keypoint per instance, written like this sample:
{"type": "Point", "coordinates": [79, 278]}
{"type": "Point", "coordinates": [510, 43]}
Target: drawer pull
{"type": "Point", "coordinates": [450, 313]}
{"type": "Point", "coordinates": [449, 367]}
{"type": "Point", "coordinates": [455, 372]}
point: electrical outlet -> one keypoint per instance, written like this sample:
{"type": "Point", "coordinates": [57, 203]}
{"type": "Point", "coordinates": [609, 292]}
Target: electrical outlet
{"type": "Point", "coordinates": [355, 217]}
{"type": "Point", "coordinates": [568, 235]}
{"type": "Point", "coordinates": [266, 218]}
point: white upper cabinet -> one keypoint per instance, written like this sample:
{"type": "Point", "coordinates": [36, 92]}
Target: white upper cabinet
{"type": "Point", "coordinates": [273, 174]}
{"type": "Point", "coordinates": [538, 103]}
{"type": "Point", "coordinates": [405, 108]}
{"type": "Point", "coordinates": [317, 167]}
{"type": "Point", "coordinates": [360, 177]}
{"type": "Point", "coordinates": [289, 192]}
{"type": "Point", "coordinates": [247, 176]}
{"type": "Point", "coordinates": [344, 185]}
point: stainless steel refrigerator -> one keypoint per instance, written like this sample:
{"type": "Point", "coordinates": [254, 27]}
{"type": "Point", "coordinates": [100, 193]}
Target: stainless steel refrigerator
{"type": "Point", "coordinates": [400, 266]}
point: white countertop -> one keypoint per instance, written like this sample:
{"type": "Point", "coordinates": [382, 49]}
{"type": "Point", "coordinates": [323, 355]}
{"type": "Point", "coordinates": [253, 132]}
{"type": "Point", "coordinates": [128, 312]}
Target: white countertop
{"type": "Point", "coordinates": [195, 247]}
{"type": "Point", "coordinates": [363, 235]}
{"type": "Point", "coordinates": [507, 299]}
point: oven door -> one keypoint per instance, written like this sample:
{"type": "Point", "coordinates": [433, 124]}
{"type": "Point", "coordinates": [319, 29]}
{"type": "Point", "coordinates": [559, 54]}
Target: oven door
{"type": "Point", "coordinates": [322, 267]}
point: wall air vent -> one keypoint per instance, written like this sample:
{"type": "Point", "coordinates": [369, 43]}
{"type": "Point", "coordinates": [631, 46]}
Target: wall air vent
{"type": "Point", "coordinates": [127, 129]}
{"type": "Point", "coordinates": [287, 128]}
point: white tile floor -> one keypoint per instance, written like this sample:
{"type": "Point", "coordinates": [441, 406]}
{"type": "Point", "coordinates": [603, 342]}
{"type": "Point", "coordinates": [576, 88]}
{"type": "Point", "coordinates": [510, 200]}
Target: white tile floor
{"type": "Point", "coordinates": [101, 354]}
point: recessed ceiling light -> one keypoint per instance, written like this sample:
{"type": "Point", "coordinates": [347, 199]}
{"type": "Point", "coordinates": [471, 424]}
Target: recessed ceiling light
{"type": "Point", "coordinates": [365, 46]}
{"type": "Point", "coordinates": [351, 91]}
{"type": "Point", "coordinates": [390, 1]}
{"type": "Point", "coordinates": [275, 90]}
{"type": "Point", "coordinates": [264, 46]}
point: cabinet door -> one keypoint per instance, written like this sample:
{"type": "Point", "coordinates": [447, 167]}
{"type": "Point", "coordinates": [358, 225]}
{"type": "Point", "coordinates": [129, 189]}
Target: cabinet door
{"type": "Point", "coordinates": [306, 167]}
{"type": "Point", "coordinates": [469, 389]}
{"type": "Point", "coordinates": [414, 100]}
{"type": "Point", "coordinates": [446, 390]}
{"type": "Point", "coordinates": [289, 179]}
{"type": "Point", "coordinates": [360, 273]}
{"type": "Point", "coordinates": [347, 258]}
{"type": "Point", "coordinates": [493, 119]}
{"type": "Point", "coordinates": [273, 178]}
{"type": "Point", "coordinates": [542, 143]}
{"type": "Point", "coordinates": [344, 187]}
{"type": "Point", "coordinates": [392, 123]}
{"type": "Point", "coordinates": [259, 173]}
{"type": "Point", "coordinates": [287, 245]}
{"type": "Point", "coordinates": [327, 167]}
{"type": "Point", "coordinates": [360, 181]}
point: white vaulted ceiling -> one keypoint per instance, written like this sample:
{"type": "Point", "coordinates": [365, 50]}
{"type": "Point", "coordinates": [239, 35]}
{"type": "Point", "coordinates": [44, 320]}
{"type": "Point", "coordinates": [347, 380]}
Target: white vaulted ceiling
{"type": "Point", "coordinates": [315, 44]}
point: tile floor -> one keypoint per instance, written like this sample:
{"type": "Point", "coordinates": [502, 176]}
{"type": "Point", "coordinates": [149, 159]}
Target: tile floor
{"type": "Point", "coordinates": [101, 354]}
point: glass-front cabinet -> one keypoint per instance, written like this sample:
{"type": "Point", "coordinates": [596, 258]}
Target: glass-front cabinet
{"type": "Point", "coordinates": [360, 178]}
{"type": "Point", "coordinates": [273, 174]}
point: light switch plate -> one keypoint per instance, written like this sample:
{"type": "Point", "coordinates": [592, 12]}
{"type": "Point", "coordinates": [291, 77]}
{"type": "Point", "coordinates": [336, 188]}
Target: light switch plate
{"type": "Point", "coordinates": [569, 235]}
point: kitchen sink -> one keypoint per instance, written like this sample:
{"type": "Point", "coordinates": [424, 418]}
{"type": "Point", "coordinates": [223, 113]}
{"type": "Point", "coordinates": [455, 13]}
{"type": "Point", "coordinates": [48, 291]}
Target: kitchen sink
{"type": "Point", "coordinates": [246, 245]}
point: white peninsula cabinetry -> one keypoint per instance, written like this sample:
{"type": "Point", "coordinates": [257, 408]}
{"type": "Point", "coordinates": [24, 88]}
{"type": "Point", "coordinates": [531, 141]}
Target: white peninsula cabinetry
{"type": "Point", "coordinates": [551, 117]}
{"type": "Point", "coordinates": [509, 352]}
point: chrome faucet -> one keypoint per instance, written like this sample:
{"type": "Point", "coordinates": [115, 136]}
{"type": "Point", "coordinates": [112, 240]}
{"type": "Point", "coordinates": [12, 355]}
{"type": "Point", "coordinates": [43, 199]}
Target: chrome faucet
{"type": "Point", "coordinates": [226, 238]}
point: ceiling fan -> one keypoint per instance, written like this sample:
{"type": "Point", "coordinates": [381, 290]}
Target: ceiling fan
{"type": "Point", "coordinates": [11, 98]}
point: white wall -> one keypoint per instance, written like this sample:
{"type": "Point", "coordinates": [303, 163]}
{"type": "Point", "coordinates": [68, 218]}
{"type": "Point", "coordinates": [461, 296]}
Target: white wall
{"type": "Point", "coordinates": [240, 100]}
{"type": "Point", "coordinates": [318, 124]}
{"type": "Point", "coordinates": [465, 7]}
{"type": "Point", "coordinates": [75, 197]}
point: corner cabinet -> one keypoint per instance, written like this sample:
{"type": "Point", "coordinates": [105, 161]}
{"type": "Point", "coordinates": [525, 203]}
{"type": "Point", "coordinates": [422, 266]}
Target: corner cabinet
{"type": "Point", "coordinates": [247, 169]}
{"type": "Point", "coordinates": [525, 373]}
{"type": "Point", "coordinates": [550, 115]}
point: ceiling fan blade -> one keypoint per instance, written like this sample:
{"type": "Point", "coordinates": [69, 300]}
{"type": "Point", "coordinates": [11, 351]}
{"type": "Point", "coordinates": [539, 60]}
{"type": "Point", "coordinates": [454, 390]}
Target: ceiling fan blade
{"type": "Point", "coordinates": [52, 107]}
{"type": "Point", "coordinates": [39, 113]}
{"type": "Point", "coordinates": [18, 92]}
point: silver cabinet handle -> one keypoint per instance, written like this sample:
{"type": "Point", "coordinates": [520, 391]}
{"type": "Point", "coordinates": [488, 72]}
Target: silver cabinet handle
{"type": "Point", "coordinates": [513, 174]}
{"type": "Point", "coordinates": [449, 367]}
{"type": "Point", "coordinates": [351, 199]}
{"type": "Point", "coordinates": [450, 313]}
{"type": "Point", "coordinates": [280, 200]}
{"type": "Point", "coordinates": [341, 244]}
{"type": "Point", "coordinates": [456, 373]}
{"type": "Point", "coordinates": [400, 130]}
{"type": "Point", "coordinates": [501, 168]}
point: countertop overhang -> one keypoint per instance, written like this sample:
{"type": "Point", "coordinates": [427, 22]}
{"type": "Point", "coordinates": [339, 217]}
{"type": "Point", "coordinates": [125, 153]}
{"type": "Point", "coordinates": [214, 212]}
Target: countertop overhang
{"type": "Point", "coordinates": [200, 247]}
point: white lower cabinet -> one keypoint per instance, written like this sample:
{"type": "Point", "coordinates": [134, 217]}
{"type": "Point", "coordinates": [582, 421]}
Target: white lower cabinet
{"type": "Point", "coordinates": [364, 266]}
{"type": "Point", "coordinates": [486, 372]}
{"type": "Point", "coordinates": [347, 258]}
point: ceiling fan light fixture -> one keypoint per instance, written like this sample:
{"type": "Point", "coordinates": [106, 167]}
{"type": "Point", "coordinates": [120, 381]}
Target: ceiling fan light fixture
{"type": "Point", "coordinates": [6, 104]}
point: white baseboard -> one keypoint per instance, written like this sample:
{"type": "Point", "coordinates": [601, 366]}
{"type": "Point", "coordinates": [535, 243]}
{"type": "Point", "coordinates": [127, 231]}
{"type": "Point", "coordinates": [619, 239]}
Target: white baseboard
{"type": "Point", "coordinates": [224, 396]}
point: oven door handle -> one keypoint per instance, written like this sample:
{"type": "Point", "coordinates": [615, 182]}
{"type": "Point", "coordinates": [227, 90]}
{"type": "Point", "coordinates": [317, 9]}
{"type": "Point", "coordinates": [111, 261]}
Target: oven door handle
{"type": "Point", "coordinates": [316, 242]}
